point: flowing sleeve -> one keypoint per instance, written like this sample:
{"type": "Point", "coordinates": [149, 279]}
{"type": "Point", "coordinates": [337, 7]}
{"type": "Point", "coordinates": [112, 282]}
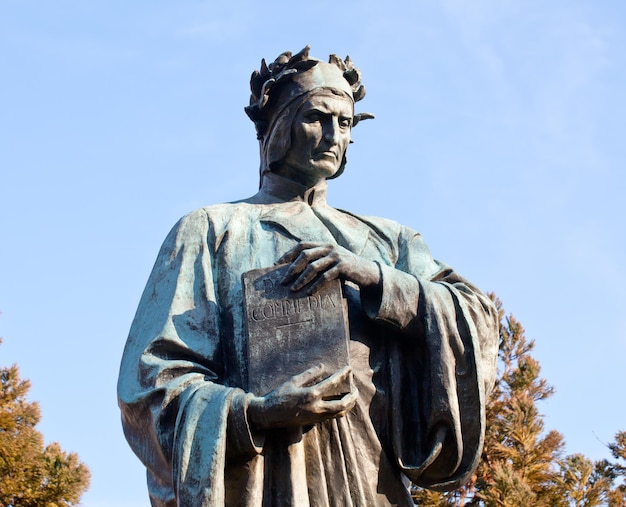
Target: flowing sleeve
{"type": "Point", "coordinates": [178, 416]}
{"type": "Point", "coordinates": [442, 367]}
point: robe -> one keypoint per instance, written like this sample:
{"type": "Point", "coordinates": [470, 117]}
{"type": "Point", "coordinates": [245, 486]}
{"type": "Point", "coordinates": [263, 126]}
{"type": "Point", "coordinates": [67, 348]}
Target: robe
{"type": "Point", "coordinates": [423, 359]}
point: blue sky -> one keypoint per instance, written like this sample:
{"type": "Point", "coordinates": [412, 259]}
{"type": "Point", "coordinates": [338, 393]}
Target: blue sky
{"type": "Point", "coordinates": [499, 135]}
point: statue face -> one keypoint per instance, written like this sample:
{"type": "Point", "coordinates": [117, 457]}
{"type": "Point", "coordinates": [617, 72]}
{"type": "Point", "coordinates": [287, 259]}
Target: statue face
{"type": "Point", "coordinates": [320, 135]}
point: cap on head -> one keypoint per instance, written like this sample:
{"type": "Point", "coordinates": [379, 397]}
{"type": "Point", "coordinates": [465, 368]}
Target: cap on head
{"type": "Point", "coordinates": [278, 90]}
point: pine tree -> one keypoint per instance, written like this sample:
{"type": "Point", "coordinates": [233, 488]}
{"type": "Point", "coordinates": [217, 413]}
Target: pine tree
{"type": "Point", "coordinates": [584, 483]}
{"type": "Point", "coordinates": [519, 465]}
{"type": "Point", "coordinates": [616, 471]}
{"type": "Point", "coordinates": [426, 498]}
{"type": "Point", "coordinates": [31, 474]}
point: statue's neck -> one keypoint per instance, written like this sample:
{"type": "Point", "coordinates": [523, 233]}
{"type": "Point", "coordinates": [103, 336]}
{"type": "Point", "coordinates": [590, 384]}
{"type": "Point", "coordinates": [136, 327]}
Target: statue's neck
{"type": "Point", "coordinates": [276, 188]}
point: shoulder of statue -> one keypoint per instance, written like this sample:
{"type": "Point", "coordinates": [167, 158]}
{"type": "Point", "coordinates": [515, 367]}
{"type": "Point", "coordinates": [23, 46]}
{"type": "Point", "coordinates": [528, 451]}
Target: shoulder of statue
{"type": "Point", "coordinates": [383, 226]}
{"type": "Point", "coordinates": [216, 219]}
{"type": "Point", "coordinates": [215, 213]}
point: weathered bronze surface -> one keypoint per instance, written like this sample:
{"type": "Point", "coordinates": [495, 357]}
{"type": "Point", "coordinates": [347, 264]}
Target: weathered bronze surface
{"type": "Point", "coordinates": [289, 332]}
{"type": "Point", "coordinates": [422, 340]}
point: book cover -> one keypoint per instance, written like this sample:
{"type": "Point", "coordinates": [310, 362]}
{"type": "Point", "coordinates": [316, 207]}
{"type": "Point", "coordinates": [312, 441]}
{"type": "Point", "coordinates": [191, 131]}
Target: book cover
{"type": "Point", "coordinates": [290, 332]}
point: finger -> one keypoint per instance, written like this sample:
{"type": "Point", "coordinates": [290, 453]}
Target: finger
{"type": "Point", "coordinates": [312, 376]}
{"type": "Point", "coordinates": [311, 271]}
{"type": "Point", "coordinates": [328, 387]}
{"type": "Point", "coordinates": [290, 255]}
{"type": "Point", "coordinates": [295, 251]}
{"type": "Point", "coordinates": [330, 384]}
{"type": "Point", "coordinates": [327, 276]}
{"type": "Point", "coordinates": [340, 406]}
{"type": "Point", "coordinates": [303, 260]}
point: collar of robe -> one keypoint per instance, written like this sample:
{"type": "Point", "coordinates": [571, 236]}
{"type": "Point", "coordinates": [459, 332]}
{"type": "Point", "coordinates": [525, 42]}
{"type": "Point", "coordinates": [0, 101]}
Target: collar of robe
{"type": "Point", "coordinates": [277, 189]}
{"type": "Point", "coordinates": [305, 216]}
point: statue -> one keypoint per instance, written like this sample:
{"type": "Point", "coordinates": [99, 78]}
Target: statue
{"type": "Point", "coordinates": [423, 340]}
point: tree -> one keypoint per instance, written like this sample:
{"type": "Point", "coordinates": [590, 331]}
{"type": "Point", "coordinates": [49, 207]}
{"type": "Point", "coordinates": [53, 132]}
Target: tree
{"type": "Point", "coordinates": [616, 497]}
{"type": "Point", "coordinates": [520, 462]}
{"type": "Point", "coordinates": [584, 483]}
{"type": "Point", "coordinates": [31, 474]}
{"type": "Point", "coordinates": [587, 483]}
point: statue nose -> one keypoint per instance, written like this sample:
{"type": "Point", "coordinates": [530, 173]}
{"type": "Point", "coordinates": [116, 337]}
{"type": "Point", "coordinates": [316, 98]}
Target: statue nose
{"type": "Point", "coordinates": [331, 132]}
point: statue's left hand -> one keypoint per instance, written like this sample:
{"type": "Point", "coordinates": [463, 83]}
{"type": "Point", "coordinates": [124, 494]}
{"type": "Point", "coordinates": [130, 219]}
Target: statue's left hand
{"type": "Point", "coordinates": [305, 399]}
{"type": "Point", "coordinates": [315, 263]}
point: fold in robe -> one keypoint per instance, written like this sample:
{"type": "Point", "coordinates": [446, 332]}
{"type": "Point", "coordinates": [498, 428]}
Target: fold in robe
{"type": "Point", "coordinates": [423, 359]}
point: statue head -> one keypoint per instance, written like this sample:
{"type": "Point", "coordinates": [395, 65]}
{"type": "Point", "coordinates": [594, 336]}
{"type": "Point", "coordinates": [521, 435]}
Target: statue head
{"type": "Point", "coordinates": [279, 91]}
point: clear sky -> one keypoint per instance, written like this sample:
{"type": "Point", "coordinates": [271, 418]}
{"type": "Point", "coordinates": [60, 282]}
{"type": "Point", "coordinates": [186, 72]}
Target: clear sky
{"type": "Point", "coordinates": [499, 134]}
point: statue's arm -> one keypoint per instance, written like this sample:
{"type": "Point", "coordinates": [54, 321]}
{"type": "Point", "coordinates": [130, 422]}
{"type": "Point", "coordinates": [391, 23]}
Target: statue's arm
{"type": "Point", "coordinates": [423, 297]}
{"type": "Point", "coordinates": [447, 364]}
{"type": "Point", "coordinates": [178, 416]}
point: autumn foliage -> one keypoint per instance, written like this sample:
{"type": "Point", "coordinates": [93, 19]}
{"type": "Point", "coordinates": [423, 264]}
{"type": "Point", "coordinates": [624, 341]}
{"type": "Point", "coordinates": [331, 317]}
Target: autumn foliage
{"type": "Point", "coordinates": [32, 474]}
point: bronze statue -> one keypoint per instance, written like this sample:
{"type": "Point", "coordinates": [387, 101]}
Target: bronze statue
{"type": "Point", "coordinates": [422, 349]}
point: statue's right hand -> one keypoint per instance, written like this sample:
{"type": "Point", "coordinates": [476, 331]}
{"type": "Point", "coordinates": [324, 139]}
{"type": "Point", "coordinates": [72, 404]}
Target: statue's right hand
{"type": "Point", "coordinates": [303, 400]}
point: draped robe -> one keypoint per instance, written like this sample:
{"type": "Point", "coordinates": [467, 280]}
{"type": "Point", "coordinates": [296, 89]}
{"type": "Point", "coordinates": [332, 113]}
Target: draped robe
{"type": "Point", "coordinates": [423, 359]}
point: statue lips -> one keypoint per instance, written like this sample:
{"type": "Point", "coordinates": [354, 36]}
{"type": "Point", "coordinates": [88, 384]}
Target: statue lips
{"type": "Point", "coordinates": [321, 154]}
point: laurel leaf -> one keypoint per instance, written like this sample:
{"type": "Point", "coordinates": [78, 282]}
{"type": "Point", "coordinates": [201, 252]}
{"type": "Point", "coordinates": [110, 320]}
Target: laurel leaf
{"type": "Point", "coordinates": [335, 60]}
{"type": "Point", "coordinates": [300, 56]}
{"type": "Point", "coordinates": [264, 70]}
{"type": "Point", "coordinates": [351, 76]}
{"type": "Point", "coordinates": [359, 93]}
{"type": "Point", "coordinates": [360, 117]}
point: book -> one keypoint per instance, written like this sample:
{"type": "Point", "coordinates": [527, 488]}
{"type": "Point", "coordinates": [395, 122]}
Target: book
{"type": "Point", "coordinates": [290, 332]}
